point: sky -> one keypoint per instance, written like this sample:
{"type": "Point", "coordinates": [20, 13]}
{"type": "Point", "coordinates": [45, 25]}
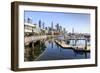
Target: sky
{"type": "Point", "coordinates": [79, 21]}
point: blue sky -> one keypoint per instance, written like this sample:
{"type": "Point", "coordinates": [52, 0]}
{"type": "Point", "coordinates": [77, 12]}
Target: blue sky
{"type": "Point", "coordinates": [79, 21]}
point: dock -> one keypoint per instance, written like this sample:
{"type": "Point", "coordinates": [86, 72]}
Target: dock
{"type": "Point", "coordinates": [75, 48]}
{"type": "Point", "coordinates": [62, 44]}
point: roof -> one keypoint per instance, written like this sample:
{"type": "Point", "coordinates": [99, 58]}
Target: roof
{"type": "Point", "coordinates": [29, 24]}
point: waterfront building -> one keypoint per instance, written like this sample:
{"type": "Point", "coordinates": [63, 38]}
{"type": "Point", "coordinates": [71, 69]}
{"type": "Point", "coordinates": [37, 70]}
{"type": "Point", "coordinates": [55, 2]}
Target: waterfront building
{"type": "Point", "coordinates": [30, 28]}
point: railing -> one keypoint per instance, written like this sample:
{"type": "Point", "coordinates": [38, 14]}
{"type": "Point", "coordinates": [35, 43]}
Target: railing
{"type": "Point", "coordinates": [34, 38]}
{"type": "Point", "coordinates": [76, 38]}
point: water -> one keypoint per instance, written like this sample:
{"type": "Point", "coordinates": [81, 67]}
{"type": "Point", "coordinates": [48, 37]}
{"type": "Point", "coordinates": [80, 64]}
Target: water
{"type": "Point", "coordinates": [51, 51]}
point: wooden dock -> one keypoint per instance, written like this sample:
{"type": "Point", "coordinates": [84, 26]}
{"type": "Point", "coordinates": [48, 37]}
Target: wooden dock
{"type": "Point", "coordinates": [75, 48]}
{"type": "Point", "coordinates": [62, 44]}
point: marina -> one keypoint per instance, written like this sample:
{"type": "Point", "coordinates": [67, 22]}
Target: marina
{"type": "Point", "coordinates": [52, 49]}
{"type": "Point", "coordinates": [76, 48]}
{"type": "Point", "coordinates": [56, 39]}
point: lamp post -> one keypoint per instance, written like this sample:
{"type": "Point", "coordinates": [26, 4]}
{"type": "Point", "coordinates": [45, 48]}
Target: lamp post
{"type": "Point", "coordinates": [52, 28]}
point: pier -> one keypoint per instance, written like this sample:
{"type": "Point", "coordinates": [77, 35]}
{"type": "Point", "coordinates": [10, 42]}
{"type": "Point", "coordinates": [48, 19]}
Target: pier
{"type": "Point", "coordinates": [30, 39]}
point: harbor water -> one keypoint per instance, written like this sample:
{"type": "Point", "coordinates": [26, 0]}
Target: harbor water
{"type": "Point", "coordinates": [49, 50]}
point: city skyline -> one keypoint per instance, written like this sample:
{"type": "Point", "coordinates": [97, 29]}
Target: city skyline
{"type": "Point", "coordinates": [80, 22]}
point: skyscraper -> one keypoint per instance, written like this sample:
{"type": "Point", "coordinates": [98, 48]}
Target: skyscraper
{"type": "Point", "coordinates": [29, 20]}
{"type": "Point", "coordinates": [43, 25]}
{"type": "Point", "coordinates": [73, 30]}
{"type": "Point", "coordinates": [57, 27]}
{"type": "Point", "coordinates": [40, 23]}
{"type": "Point", "coordinates": [52, 25]}
{"type": "Point", "coordinates": [52, 28]}
{"type": "Point", "coordinates": [60, 28]}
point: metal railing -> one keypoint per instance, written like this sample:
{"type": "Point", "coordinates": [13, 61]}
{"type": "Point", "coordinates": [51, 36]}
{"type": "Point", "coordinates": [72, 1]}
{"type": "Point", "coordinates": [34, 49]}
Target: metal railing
{"type": "Point", "coordinates": [34, 38]}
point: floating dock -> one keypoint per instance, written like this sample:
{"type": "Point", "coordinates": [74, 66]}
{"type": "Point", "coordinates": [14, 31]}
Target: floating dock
{"type": "Point", "coordinates": [75, 48]}
{"type": "Point", "coordinates": [62, 44]}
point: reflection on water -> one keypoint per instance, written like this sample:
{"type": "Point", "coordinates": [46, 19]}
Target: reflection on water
{"type": "Point", "coordinates": [49, 50]}
{"type": "Point", "coordinates": [32, 51]}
